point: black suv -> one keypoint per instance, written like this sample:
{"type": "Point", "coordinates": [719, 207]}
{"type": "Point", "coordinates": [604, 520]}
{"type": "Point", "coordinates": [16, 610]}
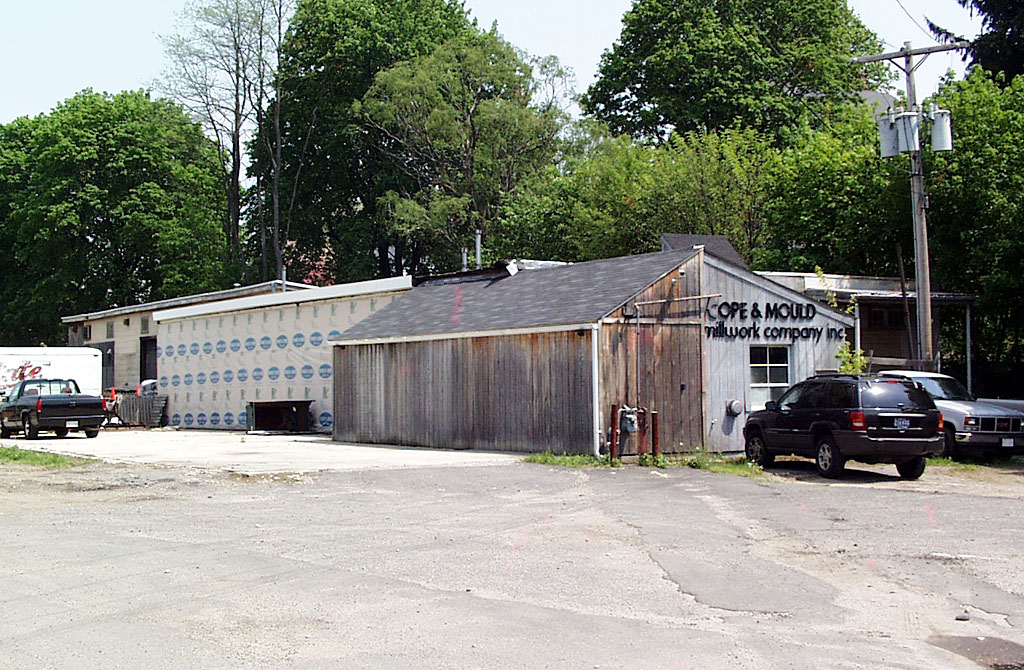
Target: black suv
{"type": "Point", "coordinates": [832, 418]}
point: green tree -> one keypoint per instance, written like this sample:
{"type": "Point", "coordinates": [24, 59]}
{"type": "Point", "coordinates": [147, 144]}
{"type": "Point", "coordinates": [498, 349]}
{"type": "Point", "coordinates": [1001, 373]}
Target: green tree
{"type": "Point", "coordinates": [1001, 47]}
{"type": "Point", "coordinates": [698, 65]}
{"type": "Point", "coordinates": [332, 171]}
{"type": "Point", "coordinates": [976, 222]}
{"type": "Point", "coordinates": [461, 127]}
{"type": "Point", "coordinates": [834, 203]}
{"type": "Point", "coordinates": [120, 203]}
{"type": "Point", "coordinates": [612, 196]}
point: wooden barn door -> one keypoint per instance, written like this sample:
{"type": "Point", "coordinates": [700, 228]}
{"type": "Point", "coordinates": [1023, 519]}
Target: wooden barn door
{"type": "Point", "coordinates": [670, 380]}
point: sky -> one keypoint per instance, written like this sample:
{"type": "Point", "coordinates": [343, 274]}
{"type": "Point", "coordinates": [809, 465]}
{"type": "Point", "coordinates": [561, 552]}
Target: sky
{"type": "Point", "coordinates": [51, 49]}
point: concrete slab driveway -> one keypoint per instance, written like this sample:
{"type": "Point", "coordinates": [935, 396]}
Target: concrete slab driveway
{"type": "Point", "coordinates": [252, 454]}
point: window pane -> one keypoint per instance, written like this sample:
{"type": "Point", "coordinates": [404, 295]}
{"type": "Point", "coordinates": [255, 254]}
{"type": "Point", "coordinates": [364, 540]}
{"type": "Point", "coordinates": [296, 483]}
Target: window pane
{"type": "Point", "coordinates": [778, 375]}
{"type": "Point", "coordinates": [758, 375]}
{"type": "Point", "coordinates": [758, 355]}
{"type": "Point", "coordinates": [777, 392]}
{"type": "Point", "coordinates": [779, 355]}
{"type": "Point", "coordinates": [758, 397]}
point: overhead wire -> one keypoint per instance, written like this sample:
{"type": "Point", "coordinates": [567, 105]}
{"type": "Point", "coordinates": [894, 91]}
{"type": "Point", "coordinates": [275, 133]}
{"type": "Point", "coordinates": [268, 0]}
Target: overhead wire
{"type": "Point", "coordinates": [911, 17]}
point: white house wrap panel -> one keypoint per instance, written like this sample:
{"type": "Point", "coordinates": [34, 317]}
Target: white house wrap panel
{"type": "Point", "coordinates": [213, 364]}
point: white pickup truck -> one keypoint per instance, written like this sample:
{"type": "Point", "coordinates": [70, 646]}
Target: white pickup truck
{"type": "Point", "coordinates": [969, 423]}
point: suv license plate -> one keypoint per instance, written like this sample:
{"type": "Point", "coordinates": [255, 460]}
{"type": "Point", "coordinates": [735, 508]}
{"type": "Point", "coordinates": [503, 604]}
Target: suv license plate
{"type": "Point", "coordinates": [1007, 441]}
{"type": "Point", "coordinates": [901, 423]}
{"type": "Point", "coordinates": [71, 424]}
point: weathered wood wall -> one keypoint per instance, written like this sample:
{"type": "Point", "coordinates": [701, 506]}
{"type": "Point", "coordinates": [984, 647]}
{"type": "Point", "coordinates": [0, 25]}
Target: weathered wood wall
{"type": "Point", "coordinates": [653, 358]}
{"type": "Point", "coordinates": [524, 393]}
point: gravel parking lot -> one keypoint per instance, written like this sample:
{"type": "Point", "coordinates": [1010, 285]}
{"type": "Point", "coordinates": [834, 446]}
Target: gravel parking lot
{"type": "Point", "coordinates": [185, 550]}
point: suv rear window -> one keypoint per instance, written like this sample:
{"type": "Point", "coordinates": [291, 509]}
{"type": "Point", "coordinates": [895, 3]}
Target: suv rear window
{"type": "Point", "coordinates": [892, 393]}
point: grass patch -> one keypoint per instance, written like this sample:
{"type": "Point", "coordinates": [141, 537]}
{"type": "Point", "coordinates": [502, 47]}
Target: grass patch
{"type": "Point", "coordinates": [943, 462]}
{"type": "Point", "coordinates": [573, 460]}
{"type": "Point", "coordinates": [702, 459]}
{"type": "Point", "coordinates": [38, 459]}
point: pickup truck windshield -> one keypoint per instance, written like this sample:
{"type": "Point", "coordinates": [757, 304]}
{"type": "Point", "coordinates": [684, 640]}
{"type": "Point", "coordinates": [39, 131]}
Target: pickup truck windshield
{"type": "Point", "coordinates": [944, 388]}
{"type": "Point", "coordinates": [49, 387]}
{"type": "Point", "coordinates": [893, 394]}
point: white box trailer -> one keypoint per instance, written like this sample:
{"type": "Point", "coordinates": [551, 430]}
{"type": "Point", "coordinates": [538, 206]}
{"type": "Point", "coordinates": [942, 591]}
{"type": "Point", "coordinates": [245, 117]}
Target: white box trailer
{"type": "Point", "coordinates": [83, 364]}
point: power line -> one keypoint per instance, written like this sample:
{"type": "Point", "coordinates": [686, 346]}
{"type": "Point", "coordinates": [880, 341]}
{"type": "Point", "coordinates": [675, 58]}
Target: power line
{"type": "Point", "coordinates": [911, 17]}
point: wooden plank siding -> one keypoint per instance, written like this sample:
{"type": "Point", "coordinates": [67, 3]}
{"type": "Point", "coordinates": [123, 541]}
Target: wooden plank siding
{"type": "Point", "coordinates": [654, 359]}
{"type": "Point", "coordinates": [525, 393]}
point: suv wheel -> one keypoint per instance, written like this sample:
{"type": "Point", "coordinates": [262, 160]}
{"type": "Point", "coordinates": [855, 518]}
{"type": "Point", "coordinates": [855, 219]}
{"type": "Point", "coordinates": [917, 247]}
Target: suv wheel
{"type": "Point", "coordinates": [756, 450]}
{"type": "Point", "coordinates": [829, 461]}
{"type": "Point", "coordinates": [5, 432]}
{"type": "Point", "coordinates": [911, 469]}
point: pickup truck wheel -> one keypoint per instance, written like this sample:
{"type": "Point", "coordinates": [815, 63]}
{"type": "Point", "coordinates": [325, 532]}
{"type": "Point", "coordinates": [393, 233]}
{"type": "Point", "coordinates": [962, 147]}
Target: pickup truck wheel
{"type": "Point", "coordinates": [92, 432]}
{"type": "Point", "coordinates": [61, 432]}
{"type": "Point", "coordinates": [911, 469]}
{"type": "Point", "coordinates": [757, 452]}
{"type": "Point", "coordinates": [5, 432]}
{"type": "Point", "coordinates": [829, 461]}
{"type": "Point", "coordinates": [31, 430]}
{"type": "Point", "coordinates": [949, 448]}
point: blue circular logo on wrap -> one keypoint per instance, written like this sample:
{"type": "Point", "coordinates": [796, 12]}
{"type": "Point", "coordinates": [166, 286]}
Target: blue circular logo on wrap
{"type": "Point", "coordinates": [325, 371]}
{"type": "Point", "coordinates": [257, 374]}
{"type": "Point", "coordinates": [265, 342]}
{"type": "Point", "coordinates": [188, 379]}
{"type": "Point", "coordinates": [250, 343]}
{"type": "Point", "coordinates": [164, 381]}
{"type": "Point", "coordinates": [242, 418]}
{"type": "Point", "coordinates": [189, 419]}
{"type": "Point", "coordinates": [169, 351]}
{"type": "Point", "coordinates": [176, 420]}
{"type": "Point", "coordinates": [229, 376]}
{"type": "Point", "coordinates": [176, 380]}
{"type": "Point", "coordinates": [307, 372]}
{"type": "Point", "coordinates": [282, 341]}
{"type": "Point", "coordinates": [229, 419]}
{"type": "Point", "coordinates": [326, 420]}
{"type": "Point", "coordinates": [201, 378]}
{"type": "Point", "coordinates": [298, 340]}
{"type": "Point", "coordinates": [243, 374]}
{"type": "Point", "coordinates": [334, 335]}
{"type": "Point", "coordinates": [316, 338]}
{"type": "Point", "coordinates": [289, 372]}
{"type": "Point", "coordinates": [181, 350]}
{"type": "Point", "coordinates": [159, 352]}
{"type": "Point", "coordinates": [207, 348]}
{"type": "Point", "coordinates": [214, 377]}
{"type": "Point", "coordinates": [273, 373]}
{"type": "Point", "coordinates": [201, 420]}
{"type": "Point", "coordinates": [214, 419]}
{"type": "Point", "coordinates": [194, 348]}
{"type": "Point", "coordinates": [236, 345]}
{"type": "Point", "coordinates": [222, 346]}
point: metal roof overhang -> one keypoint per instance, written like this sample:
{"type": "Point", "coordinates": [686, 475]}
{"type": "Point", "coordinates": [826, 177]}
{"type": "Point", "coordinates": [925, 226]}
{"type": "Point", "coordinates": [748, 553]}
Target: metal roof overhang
{"type": "Point", "coordinates": [289, 298]}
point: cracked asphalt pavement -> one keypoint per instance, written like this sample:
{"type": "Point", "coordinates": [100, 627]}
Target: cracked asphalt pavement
{"type": "Point", "coordinates": [510, 565]}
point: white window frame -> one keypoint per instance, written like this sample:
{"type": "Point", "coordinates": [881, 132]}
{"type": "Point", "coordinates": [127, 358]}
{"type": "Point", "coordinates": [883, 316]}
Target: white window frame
{"type": "Point", "coordinates": [768, 366]}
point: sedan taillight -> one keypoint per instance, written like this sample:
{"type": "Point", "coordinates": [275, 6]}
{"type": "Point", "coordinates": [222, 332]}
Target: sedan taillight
{"type": "Point", "coordinates": [858, 421]}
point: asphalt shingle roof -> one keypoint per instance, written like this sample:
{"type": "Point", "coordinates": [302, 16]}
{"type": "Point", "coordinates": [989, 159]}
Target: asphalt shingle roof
{"type": "Point", "coordinates": [563, 295]}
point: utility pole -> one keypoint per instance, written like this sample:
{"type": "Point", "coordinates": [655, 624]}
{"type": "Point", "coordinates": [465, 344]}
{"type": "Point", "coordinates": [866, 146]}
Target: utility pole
{"type": "Point", "coordinates": [919, 199]}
